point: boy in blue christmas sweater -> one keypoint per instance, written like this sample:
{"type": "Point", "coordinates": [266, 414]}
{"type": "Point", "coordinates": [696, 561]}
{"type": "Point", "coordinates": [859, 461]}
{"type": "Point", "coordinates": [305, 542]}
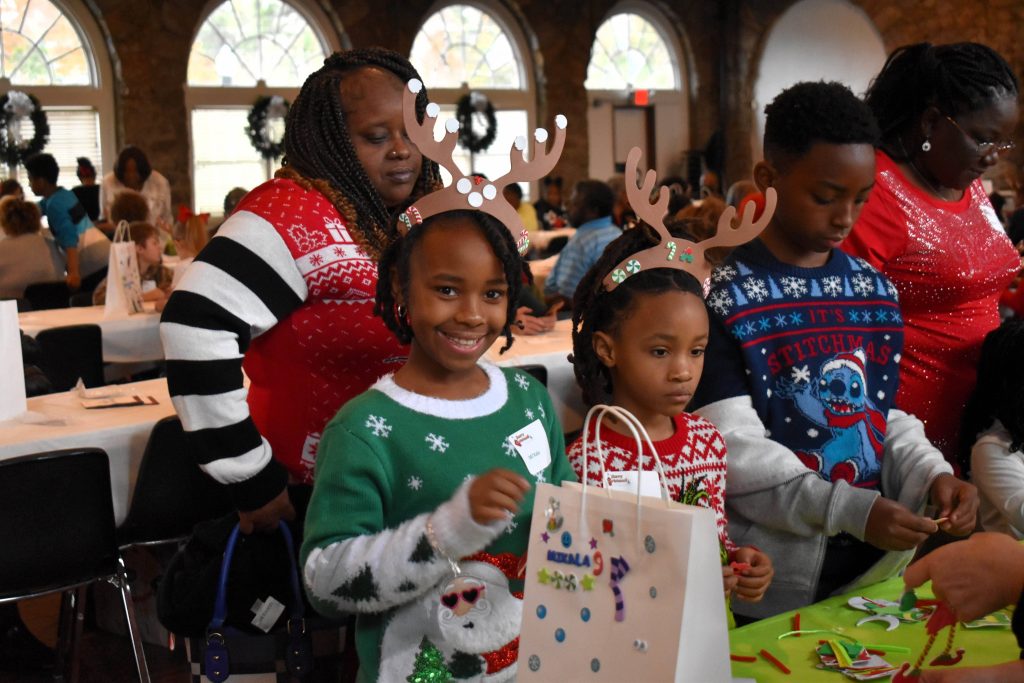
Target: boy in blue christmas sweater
{"type": "Point", "coordinates": [825, 474]}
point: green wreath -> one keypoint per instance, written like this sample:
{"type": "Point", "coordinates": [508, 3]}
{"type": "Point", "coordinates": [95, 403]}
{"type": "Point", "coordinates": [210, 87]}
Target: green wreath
{"type": "Point", "coordinates": [15, 107]}
{"type": "Point", "coordinates": [266, 108]}
{"type": "Point", "coordinates": [475, 103]}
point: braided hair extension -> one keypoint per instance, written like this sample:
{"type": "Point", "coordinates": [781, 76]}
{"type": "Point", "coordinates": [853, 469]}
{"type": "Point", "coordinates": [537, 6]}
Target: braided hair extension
{"type": "Point", "coordinates": [595, 309]}
{"type": "Point", "coordinates": [955, 78]}
{"type": "Point", "coordinates": [999, 393]}
{"type": "Point", "coordinates": [395, 260]}
{"type": "Point", "coordinates": [320, 156]}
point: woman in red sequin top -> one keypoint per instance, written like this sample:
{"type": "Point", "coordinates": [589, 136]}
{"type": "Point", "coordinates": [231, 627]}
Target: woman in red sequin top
{"type": "Point", "coordinates": [946, 113]}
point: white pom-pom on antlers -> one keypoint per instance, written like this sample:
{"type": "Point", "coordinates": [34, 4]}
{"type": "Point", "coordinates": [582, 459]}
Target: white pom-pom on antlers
{"type": "Point", "coordinates": [415, 85]}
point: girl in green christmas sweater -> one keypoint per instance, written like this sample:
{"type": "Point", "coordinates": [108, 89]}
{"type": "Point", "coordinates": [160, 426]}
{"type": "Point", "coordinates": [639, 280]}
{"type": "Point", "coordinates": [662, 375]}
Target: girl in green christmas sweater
{"type": "Point", "coordinates": [423, 491]}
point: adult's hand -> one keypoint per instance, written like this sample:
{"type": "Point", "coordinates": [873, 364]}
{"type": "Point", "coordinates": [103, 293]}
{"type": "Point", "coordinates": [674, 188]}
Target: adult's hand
{"type": "Point", "coordinates": [975, 577]}
{"type": "Point", "coordinates": [267, 517]}
{"type": "Point", "coordinates": [527, 323]}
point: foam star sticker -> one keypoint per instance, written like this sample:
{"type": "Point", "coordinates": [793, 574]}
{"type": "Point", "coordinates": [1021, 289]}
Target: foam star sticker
{"type": "Point", "coordinates": [543, 577]}
{"type": "Point", "coordinates": [545, 537]}
{"type": "Point", "coordinates": [593, 543]}
{"type": "Point", "coordinates": [587, 582]}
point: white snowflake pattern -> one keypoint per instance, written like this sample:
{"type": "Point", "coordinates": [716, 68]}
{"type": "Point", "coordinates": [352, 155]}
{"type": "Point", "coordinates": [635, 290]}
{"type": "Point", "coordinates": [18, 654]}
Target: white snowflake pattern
{"type": "Point", "coordinates": [541, 478]}
{"type": "Point", "coordinates": [891, 288]}
{"type": "Point", "coordinates": [755, 288]}
{"type": "Point", "coordinates": [832, 285]}
{"type": "Point", "coordinates": [720, 301]}
{"type": "Point", "coordinates": [528, 413]}
{"type": "Point", "coordinates": [509, 447]}
{"type": "Point", "coordinates": [540, 409]}
{"type": "Point", "coordinates": [512, 524]}
{"type": "Point", "coordinates": [801, 374]}
{"type": "Point", "coordinates": [794, 286]}
{"type": "Point", "coordinates": [723, 273]}
{"type": "Point", "coordinates": [415, 483]}
{"type": "Point", "coordinates": [812, 432]}
{"type": "Point", "coordinates": [863, 285]}
{"type": "Point", "coordinates": [436, 442]}
{"type": "Point", "coordinates": [522, 381]}
{"type": "Point", "coordinates": [379, 426]}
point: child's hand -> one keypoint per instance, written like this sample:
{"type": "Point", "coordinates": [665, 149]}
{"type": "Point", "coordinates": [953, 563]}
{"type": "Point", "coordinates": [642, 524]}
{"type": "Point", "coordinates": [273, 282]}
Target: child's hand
{"type": "Point", "coordinates": [729, 580]}
{"type": "Point", "coordinates": [893, 527]}
{"type": "Point", "coordinates": [753, 581]}
{"type": "Point", "coordinates": [958, 501]}
{"type": "Point", "coordinates": [496, 493]}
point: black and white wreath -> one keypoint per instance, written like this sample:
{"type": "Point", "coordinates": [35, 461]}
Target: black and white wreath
{"type": "Point", "coordinates": [15, 107]}
{"type": "Point", "coordinates": [472, 106]}
{"type": "Point", "coordinates": [261, 119]}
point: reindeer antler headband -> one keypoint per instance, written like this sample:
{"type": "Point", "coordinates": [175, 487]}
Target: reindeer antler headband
{"type": "Point", "coordinates": [474, 193]}
{"type": "Point", "coordinates": [674, 252]}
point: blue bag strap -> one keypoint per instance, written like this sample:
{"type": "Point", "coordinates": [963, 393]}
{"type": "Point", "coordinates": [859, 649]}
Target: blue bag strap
{"type": "Point", "coordinates": [220, 606]}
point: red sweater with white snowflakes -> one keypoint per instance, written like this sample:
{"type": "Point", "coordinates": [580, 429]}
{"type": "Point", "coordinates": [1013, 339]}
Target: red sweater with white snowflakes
{"type": "Point", "coordinates": [284, 286]}
{"type": "Point", "coordinates": [694, 456]}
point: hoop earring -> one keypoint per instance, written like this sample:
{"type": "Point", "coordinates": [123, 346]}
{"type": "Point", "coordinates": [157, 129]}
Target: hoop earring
{"type": "Point", "coordinates": [926, 146]}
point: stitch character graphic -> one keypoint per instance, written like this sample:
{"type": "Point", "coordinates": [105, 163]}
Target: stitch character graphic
{"type": "Point", "coordinates": [473, 619]}
{"type": "Point", "coordinates": [838, 400]}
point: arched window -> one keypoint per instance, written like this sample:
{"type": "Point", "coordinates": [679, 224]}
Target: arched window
{"type": "Point", "coordinates": [52, 49]}
{"type": "Point", "coordinates": [478, 46]}
{"type": "Point", "coordinates": [244, 49]}
{"type": "Point", "coordinates": [637, 91]}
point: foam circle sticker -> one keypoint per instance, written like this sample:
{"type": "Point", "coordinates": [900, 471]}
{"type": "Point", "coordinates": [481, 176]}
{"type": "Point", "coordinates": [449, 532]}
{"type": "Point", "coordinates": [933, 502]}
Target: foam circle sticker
{"type": "Point", "coordinates": [433, 110]}
{"type": "Point", "coordinates": [542, 611]}
{"type": "Point", "coordinates": [451, 125]}
{"type": "Point", "coordinates": [475, 199]}
{"type": "Point", "coordinates": [464, 186]}
{"type": "Point", "coordinates": [585, 614]}
{"type": "Point", "coordinates": [520, 142]}
{"type": "Point", "coordinates": [540, 135]}
{"type": "Point", "coordinates": [560, 635]}
{"type": "Point", "coordinates": [490, 192]}
{"type": "Point", "coordinates": [561, 121]}
{"type": "Point", "coordinates": [649, 545]}
{"type": "Point", "coordinates": [566, 539]}
{"type": "Point", "coordinates": [595, 664]}
{"type": "Point", "coordinates": [534, 662]}
{"type": "Point", "coordinates": [415, 85]}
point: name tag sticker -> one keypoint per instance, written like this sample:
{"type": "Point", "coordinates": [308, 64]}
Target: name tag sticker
{"type": "Point", "coordinates": [626, 481]}
{"type": "Point", "coordinates": [531, 442]}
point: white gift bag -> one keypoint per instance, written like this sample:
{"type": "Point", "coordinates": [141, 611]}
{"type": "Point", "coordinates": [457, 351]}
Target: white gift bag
{"type": "Point", "coordinates": [124, 287]}
{"type": "Point", "coordinates": [12, 396]}
{"type": "Point", "coordinates": [622, 587]}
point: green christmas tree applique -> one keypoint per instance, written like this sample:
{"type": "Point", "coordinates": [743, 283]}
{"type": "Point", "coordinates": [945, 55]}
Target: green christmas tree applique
{"type": "Point", "coordinates": [429, 665]}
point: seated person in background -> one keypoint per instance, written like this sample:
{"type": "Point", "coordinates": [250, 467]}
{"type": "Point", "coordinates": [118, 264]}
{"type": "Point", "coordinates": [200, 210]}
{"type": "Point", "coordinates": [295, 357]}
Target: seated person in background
{"type": "Point", "coordinates": [87, 191]}
{"type": "Point", "coordinates": [826, 476]}
{"type": "Point", "coordinates": [550, 211]}
{"type": "Point", "coordinates": [129, 206]}
{"type": "Point", "coordinates": [590, 210]}
{"type": "Point", "coordinates": [993, 431]}
{"type": "Point", "coordinates": [156, 278]}
{"type": "Point", "coordinates": [700, 219]}
{"type": "Point", "coordinates": [26, 257]}
{"type": "Point", "coordinates": [190, 236]}
{"type": "Point", "coordinates": [231, 200]}
{"type": "Point", "coordinates": [976, 577]}
{"type": "Point", "coordinates": [132, 171]}
{"type": "Point", "coordinates": [513, 194]}
{"type": "Point", "coordinates": [532, 316]}
{"type": "Point", "coordinates": [86, 249]}
{"type": "Point", "coordinates": [622, 213]}
{"type": "Point", "coordinates": [11, 187]}
{"type": "Point", "coordinates": [679, 193]}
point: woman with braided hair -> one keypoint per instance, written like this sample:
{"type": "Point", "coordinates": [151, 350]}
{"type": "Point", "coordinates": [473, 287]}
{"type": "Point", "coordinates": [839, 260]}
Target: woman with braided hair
{"type": "Point", "coordinates": [286, 288]}
{"type": "Point", "coordinates": [946, 113]}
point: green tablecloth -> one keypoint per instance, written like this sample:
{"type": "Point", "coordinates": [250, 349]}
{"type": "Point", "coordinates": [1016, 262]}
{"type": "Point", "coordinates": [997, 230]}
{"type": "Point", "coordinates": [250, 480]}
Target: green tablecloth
{"type": "Point", "coordinates": [982, 646]}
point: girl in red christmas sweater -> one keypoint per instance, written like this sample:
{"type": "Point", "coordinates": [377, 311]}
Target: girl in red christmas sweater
{"type": "Point", "coordinates": [641, 346]}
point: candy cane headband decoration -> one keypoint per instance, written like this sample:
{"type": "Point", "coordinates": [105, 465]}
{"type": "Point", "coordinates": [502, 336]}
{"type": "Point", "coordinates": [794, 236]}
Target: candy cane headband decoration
{"type": "Point", "coordinates": [676, 252]}
{"type": "Point", "coordinates": [473, 192]}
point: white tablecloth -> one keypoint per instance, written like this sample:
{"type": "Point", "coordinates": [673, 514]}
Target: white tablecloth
{"type": "Point", "coordinates": [550, 350]}
{"type": "Point", "coordinates": [132, 339]}
{"type": "Point", "coordinates": [121, 432]}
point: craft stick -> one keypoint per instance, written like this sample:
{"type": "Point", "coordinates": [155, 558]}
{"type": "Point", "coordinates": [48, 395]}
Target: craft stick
{"type": "Point", "coordinates": [840, 654]}
{"type": "Point", "coordinates": [796, 624]}
{"type": "Point", "coordinates": [778, 665]}
{"type": "Point", "coordinates": [742, 658]}
{"type": "Point", "coordinates": [942, 520]}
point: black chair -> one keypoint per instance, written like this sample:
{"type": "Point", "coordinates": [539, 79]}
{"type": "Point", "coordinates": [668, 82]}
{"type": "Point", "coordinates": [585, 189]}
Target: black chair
{"type": "Point", "coordinates": [44, 295]}
{"type": "Point", "coordinates": [172, 494]}
{"type": "Point", "coordinates": [57, 534]}
{"type": "Point", "coordinates": [539, 372]}
{"type": "Point", "coordinates": [79, 299]}
{"type": "Point", "coordinates": [71, 352]}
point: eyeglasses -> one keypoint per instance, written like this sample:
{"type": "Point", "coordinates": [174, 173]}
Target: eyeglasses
{"type": "Point", "coordinates": [983, 149]}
